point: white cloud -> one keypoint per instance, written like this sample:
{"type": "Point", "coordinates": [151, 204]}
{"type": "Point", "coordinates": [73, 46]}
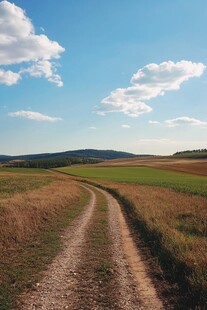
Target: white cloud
{"type": "Point", "coordinates": [167, 75]}
{"type": "Point", "coordinates": [8, 77]}
{"type": "Point", "coordinates": [92, 128]}
{"type": "Point", "coordinates": [20, 44]}
{"type": "Point", "coordinates": [154, 122]}
{"type": "Point", "coordinates": [44, 68]}
{"type": "Point", "coordinates": [121, 100]}
{"type": "Point", "coordinates": [125, 126]}
{"type": "Point", "coordinates": [149, 82]}
{"type": "Point", "coordinates": [185, 120]}
{"type": "Point", "coordinates": [36, 116]}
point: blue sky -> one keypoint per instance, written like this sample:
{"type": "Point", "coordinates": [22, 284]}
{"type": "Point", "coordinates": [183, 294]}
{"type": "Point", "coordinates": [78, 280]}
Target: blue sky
{"type": "Point", "coordinates": [118, 74]}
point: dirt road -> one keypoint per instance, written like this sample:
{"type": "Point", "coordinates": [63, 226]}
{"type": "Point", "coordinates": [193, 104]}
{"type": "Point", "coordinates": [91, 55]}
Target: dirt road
{"type": "Point", "coordinates": [99, 266]}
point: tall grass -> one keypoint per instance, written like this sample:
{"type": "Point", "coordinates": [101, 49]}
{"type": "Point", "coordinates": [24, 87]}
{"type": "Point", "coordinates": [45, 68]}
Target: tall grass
{"type": "Point", "coordinates": [24, 213]}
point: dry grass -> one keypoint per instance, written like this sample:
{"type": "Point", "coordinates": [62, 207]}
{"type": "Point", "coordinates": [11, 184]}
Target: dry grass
{"type": "Point", "coordinates": [179, 222]}
{"type": "Point", "coordinates": [24, 213]}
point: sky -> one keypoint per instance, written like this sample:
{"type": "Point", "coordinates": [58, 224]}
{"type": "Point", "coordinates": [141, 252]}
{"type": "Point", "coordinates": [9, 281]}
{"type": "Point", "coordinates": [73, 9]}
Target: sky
{"type": "Point", "coordinates": [126, 75]}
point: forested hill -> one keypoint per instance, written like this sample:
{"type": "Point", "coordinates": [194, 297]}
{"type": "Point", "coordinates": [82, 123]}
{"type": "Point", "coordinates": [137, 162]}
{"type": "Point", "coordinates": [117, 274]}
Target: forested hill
{"type": "Point", "coordinates": [86, 153]}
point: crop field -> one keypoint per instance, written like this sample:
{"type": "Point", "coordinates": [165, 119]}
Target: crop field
{"type": "Point", "coordinates": [181, 182]}
{"type": "Point", "coordinates": [192, 165]}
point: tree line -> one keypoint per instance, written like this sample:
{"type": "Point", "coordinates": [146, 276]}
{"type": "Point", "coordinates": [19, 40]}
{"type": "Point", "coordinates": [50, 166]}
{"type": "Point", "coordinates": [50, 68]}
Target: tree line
{"type": "Point", "coordinates": [47, 163]}
{"type": "Point", "coordinates": [191, 151]}
{"type": "Point", "coordinates": [200, 153]}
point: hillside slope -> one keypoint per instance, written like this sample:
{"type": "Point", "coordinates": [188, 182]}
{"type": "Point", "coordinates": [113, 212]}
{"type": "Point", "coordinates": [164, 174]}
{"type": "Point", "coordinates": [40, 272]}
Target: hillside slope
{"type": "Point", "coordinates": [85, 153]}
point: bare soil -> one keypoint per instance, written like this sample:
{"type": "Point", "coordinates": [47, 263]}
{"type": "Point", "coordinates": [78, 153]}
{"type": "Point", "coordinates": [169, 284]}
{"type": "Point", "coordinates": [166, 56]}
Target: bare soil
{"type": "Point", "coordinates": [71, 281]}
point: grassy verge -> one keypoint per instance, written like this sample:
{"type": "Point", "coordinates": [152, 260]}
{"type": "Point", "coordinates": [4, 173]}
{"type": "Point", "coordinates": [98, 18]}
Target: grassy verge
{"type": "Point", "coordinates": [178, 181]}
{"type": "Point", "coordinates": [20, 265]}
{"type": "Point", "coordinates": [174, 228]}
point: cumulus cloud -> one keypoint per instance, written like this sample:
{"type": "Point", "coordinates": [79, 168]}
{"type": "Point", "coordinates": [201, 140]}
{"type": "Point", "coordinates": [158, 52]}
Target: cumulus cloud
{"type": "Point", "coordinates": [8, 77]}
{"type": "Point", "coordinates": [185, 120]}
{"type": "Point", "coordinates": [125, 101]}
{"type": "Point", "coordinates": [36, 116]}
{"type": "Point", "coordinates": [19, 44]}
{"type": "Point", "coordinates": [44, 68]}
{"type": "Point", "coordinates": [149, 82]}
{"type": "Point", "coordinates": [126, 126]}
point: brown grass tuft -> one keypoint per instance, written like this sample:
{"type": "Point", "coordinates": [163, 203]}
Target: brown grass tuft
{"type": "Point", "coordinates": [24, 213]}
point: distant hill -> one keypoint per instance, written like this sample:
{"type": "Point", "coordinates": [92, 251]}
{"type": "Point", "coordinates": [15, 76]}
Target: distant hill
{"type": "Point", "coordinates": [86, 153]}
{"type": "Point", "coordinates": [4, 158]}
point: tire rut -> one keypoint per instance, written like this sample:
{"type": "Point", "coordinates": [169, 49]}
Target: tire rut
{"type": "Point", "coordinates": [134, 280]}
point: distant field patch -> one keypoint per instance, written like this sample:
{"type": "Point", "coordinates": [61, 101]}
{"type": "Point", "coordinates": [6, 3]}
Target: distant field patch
{"type": "Point", "coordinates": [182, 182]}
{"type": "Point", "coordinates": [23, 170]}
{"type": "Point", "coordinates": [12, 185]}
{"type": "Point", "coordinates": [17, 180]}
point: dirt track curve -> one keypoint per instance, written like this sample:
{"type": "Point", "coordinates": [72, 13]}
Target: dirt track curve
{"type": "Point", "coordinates": [65, 285]}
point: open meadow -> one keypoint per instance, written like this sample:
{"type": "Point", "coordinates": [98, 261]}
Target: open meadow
{"type": "Point", "coordinates": [169, 210]}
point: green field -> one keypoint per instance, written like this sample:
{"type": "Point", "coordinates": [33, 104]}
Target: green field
{"type": "Point", "coordinates": [12, 185]}
{"type": "Point", "coordinates": [182, 182]}
{"type": "Point", "coordinates": [23, 170]}
{"type": "Point", "coordinates": [17, 180]}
